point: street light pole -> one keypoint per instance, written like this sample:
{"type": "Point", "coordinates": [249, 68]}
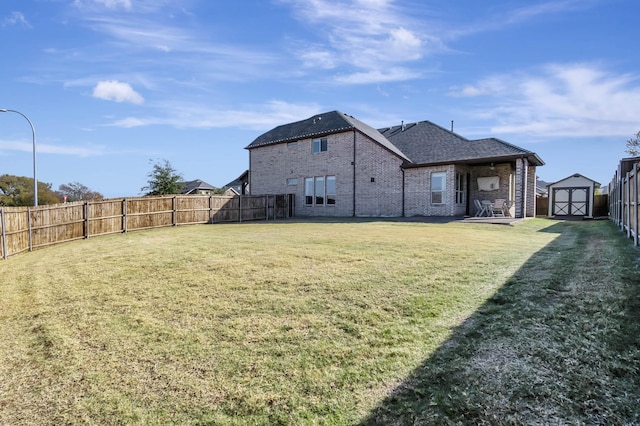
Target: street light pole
{"type": "Point", "coordinates": [33, 134]}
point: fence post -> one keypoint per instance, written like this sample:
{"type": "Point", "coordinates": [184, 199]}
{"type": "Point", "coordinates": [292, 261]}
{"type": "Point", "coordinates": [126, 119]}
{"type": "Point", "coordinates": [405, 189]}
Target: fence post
{"type": "Point", "coordinates": [124, 215]}
{"type": "Point", "coordinates": [635, 204]}
{"type": "Point", "coordinates": [174, 215]}
{"type": "Point", "coordinates": [86, 219]}
{"type": "Point", "coordinates": [29, 227]}
{"type": "Point", "coordinates": [240, 209]}
{"type": "Point", "coordinates": [4, 235]}
{"type": "Point", "coordinates": [210, 209]}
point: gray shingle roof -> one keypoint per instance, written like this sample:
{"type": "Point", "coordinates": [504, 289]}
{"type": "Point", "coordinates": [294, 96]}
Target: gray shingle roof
{"type": "Point", "coordinates": [428, 143]}
{"type": "Point", "coordinates": [418, 143]}
{"type": "Point", "coordinates": [194, 185]}
{"type": "Point", "coordinates": [321, 125]}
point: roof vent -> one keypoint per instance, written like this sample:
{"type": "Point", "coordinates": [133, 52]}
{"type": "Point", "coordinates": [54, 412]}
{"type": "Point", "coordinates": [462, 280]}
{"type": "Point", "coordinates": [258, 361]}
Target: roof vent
{"type": "Point", "coordinates": [402, 125]}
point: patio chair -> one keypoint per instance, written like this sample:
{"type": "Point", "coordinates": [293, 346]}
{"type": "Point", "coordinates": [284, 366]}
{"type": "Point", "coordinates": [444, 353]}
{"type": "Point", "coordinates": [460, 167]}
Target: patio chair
{"type": "Point", "coordinates": [479, 208]}
{"type": "Point", "coordinates": [498, 207]}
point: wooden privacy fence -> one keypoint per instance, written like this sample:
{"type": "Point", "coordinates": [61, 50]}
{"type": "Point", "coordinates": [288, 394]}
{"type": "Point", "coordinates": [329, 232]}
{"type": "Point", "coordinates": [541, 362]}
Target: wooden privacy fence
{"type": "Point", "coordinates": [27, 228]}
{"type": "Point", "coordinates": [600, 205]}
{"type": "Point", "coordinates": [623, 200]}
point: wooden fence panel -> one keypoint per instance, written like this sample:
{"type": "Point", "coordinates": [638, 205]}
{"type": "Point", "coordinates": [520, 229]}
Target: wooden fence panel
{"type": "Point", "coordinates": [623, 201]}
{"type": "Point", "coordinates": [25, 228]}
{"type": "Point", "coordinates": [542, 206]}
{"type": "Point", "coordinates": [105, 217]}
{"type": "Point", "coordinates": [56, 223]}
{"type": "Point", "coordinates": [145, 213]}
{"type": "Point", "coordinates": [601, 205]}
{"type": "Point", "coordinates": [193, 209]}
{"type": "Point", "coordinates": [225, 209]}
{"type": "Point", "coordinates": [15, 230]}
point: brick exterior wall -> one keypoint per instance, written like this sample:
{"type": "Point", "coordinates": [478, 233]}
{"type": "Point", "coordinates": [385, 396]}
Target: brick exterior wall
{"type": "Point", "coordinates": [418, 192]}
{"type": "Point", "coordinates": [369, 180]}
{"type": "Point", "coordinates": [272, 165]}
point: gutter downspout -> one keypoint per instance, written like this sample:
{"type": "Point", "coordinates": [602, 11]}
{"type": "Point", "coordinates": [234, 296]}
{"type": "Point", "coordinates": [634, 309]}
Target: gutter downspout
{"type": "Point", "coordinates": [353, 163]}
{"type": "Point", "coordinates": [402, 170]}
{"type": "Point", "coordinates": [523, 198]}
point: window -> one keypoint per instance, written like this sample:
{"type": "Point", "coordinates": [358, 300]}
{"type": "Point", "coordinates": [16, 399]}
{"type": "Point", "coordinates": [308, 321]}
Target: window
{"type": "Point", "coordinates": [308, 191]}
{"type": "Point", "coordinates": [319, 145]}
{"type": "Point", "coordinates": [438, 188]}
{"type": "Point", "coordinates": [460, 188]}
{"type": "Point", "coordinates": [292, 181]}
{"type": "Point", "coordinates": [331, 190]}
{"type": "Point", "coordinates": [320, 191]}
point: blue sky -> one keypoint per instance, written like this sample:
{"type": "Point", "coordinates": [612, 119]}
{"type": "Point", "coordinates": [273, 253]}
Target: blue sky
{"type": "Point", "coordinates": [112, 85]}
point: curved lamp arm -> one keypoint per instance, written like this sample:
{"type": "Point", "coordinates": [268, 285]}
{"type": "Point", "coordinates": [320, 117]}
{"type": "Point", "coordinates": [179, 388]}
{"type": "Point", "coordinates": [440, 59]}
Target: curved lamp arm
{"type": "Point", "coordinates": [33, 134]}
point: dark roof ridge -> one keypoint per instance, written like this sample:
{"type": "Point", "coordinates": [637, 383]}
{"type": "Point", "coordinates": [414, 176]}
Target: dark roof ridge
{"type": "Point", "coordinates": [288, 132]}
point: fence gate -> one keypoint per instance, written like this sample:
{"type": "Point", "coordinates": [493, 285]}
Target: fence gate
{"type": "Point", "coordinates": [570, 201]}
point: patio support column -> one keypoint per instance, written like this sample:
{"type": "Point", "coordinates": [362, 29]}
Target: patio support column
{"type": "Point", "coordinates": [520, 188]}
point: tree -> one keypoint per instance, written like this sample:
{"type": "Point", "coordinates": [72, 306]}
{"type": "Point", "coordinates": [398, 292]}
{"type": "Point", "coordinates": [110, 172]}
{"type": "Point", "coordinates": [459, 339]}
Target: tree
{"type": "Point", "coordinates": [163, 179]}
{"type": "Point", "coordinates": [633, 145]}
{"type": "Point", "coordinates": [18, 191]}
{"type": "Point", "coordinates": [76, 191]}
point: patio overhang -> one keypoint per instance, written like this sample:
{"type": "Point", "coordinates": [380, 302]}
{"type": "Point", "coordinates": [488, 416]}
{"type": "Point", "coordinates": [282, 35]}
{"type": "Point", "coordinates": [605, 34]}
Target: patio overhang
{"type": "Point", "coordinates": [533, 159]}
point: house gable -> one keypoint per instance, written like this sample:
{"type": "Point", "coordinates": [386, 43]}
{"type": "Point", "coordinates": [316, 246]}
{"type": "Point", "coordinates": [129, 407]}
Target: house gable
{"type": "Point", "coordinates": [320, 125]}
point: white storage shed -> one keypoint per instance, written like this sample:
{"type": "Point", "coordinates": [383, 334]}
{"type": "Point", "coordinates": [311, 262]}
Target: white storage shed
{"type": "Point", "coordinates": [572, 197]}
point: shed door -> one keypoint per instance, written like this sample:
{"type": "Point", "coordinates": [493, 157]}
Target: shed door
{"type": "Point", "coordinates": [570, 201]}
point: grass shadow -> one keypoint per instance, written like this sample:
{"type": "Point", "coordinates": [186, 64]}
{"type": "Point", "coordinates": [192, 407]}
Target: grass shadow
{"type": "Point", "coordinates": [559, 343]}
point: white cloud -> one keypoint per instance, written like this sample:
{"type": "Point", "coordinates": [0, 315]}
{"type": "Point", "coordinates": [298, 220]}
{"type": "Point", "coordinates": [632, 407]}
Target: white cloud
{"type": "Point", "coordinates": [114, 90]}
{"type": "Point", "coordinates": [15, 18]}
{"type": "Point", "coordinates": [370, 35]}
{"type": "Point", "coordinates": [568, 100]}
{"type": "Point", "coordinates": [51, 149]}
{"type": "Point", "coordinates": [114, 4]}
{"type": "Point", "coordinates": [109, 4]}
{"type": "Point", "coordinates": [378, 76]}
{"type": "Point", "coordinates": [259, 117]}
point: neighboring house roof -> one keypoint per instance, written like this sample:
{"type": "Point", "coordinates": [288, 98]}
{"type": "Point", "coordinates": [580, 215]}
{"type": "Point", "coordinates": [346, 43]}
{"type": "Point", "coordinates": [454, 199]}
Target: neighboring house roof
{"type": "Point", "coordinates": [236, 184]}
{"type": "Point", "coordinates": [196, 185]}
{"type": "Point", "coordinates": [541, 187]}
{"type": "Point", "coordinates": [427, 143]}
{"type": "Point", "coordinates": [321, 125]}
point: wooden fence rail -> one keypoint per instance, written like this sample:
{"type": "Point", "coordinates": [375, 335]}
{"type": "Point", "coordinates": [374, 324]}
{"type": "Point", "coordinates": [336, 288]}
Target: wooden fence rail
{"type": "Point", "coordinates": [623, 199]}
{"type": "Point", "coordinates": [28, 228]}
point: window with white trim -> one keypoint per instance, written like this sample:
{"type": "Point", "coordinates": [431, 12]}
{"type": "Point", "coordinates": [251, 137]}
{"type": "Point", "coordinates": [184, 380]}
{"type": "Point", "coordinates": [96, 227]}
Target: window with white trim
{"type": "Point", "coordinates": [319, 145]}
{"type": "Point", "coordinates": [320, 191]}
{"type": "Point", "coordinates": [438, 187]}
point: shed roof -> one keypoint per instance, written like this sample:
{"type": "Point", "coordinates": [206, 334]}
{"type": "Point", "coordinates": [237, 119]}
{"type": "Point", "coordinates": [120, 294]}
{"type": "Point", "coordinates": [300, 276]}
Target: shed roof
{"type": "Point", "coordinates": [575, 175]}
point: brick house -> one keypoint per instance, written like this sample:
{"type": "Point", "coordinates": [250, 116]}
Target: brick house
{"type": "Point", "coordinates": [337, 165]}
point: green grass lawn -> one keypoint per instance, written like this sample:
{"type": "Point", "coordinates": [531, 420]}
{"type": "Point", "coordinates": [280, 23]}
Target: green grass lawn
{"type": "Point", "coordinates": [354, 322]}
